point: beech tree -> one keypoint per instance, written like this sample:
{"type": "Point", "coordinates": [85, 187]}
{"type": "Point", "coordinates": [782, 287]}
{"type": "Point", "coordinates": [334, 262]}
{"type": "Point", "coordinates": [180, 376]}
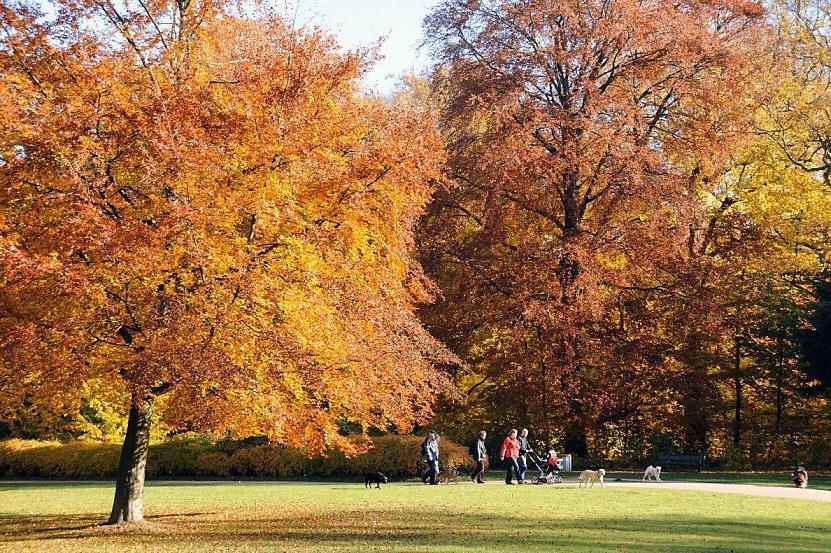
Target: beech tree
{"type": "Point", "coordinates": [580, 136]}
{"type": "Point", "coordinates": [200, 211]}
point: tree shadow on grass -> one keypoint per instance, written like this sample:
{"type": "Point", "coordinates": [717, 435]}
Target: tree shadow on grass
{"type": "Point", "coordinates": [27, 527]}
{"type": "Point", "coordinates": [409, 529]}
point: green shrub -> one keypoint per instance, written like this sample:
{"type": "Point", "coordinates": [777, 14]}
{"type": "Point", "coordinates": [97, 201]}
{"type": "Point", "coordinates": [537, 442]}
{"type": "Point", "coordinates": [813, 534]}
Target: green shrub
{"type": "Point", "coordinates": [212, 464]}
{"type": "Point", "coordinates": [267, 461]}
{"type": "Point", "coordinates": [191, 456]}
{"type": "Point", "coordinates": [34, 459]}
{"type": "Point", "coordinates": [177, 456]}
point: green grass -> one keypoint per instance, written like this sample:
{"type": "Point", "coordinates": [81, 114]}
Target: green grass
{"type": "Point", "coordinates": [408, 517]}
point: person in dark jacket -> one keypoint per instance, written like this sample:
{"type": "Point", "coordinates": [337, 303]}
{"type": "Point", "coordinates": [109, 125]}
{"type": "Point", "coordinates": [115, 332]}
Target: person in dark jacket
{"type": "Point", "coordinates": [509, 453]}
{"type": "Point", "coordinates": [524, 448]}
{"type": "Point", "coordinates": [481, 459]}
{"type": "Point", "coordinates": [430, 453]}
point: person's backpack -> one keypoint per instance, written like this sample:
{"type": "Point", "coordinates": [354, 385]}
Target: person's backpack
{"type": "Point", "coordinates": [473, 448]}
{"type": "Point", "coordinates": [424, 453]}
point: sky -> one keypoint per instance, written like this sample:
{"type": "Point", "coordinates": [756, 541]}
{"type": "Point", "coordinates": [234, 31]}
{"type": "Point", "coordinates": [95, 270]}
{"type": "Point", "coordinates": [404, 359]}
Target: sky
{"type": "Point", "coordinates": [359, 23]}
{"type": "Point", "coordinates": [362, 22]}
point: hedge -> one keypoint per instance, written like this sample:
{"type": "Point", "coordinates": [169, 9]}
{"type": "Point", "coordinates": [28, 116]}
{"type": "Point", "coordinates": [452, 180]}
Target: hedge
{"type": "Point", "coordinates": [193, 456]}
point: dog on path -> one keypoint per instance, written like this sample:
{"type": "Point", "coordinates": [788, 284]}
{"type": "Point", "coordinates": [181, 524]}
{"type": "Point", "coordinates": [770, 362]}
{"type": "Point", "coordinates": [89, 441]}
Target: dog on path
{"type": "Point", "coordinates": [447, 476]}
{"type": "Point", "coordinates": [591, 476]}
{"type": "Point", "coordinates": [652, 473]}
{"type": "Point", "coordinates": [374, 478]}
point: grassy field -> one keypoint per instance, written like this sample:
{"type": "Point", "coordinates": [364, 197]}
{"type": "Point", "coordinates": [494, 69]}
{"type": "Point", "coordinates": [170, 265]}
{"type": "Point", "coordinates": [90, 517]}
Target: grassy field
{"type": "Point", "coordinates": [410, 517]}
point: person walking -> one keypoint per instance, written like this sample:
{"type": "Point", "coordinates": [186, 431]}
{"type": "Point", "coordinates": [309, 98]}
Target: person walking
{"type": "Point", "coordinates": [524, 448]}
{"type": "Point", "coordinates": [430, 453]}
{"type": "Point", "coordinates": [479, 452]}
{"type": "Point", "coordinates": [509, 453]}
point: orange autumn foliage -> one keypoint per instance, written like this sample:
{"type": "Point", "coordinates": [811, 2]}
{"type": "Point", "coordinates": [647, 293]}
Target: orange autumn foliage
{"type": "Point", "coordinates": [208, 210]}
{"type": "Point", "coordinates": [580, 136]}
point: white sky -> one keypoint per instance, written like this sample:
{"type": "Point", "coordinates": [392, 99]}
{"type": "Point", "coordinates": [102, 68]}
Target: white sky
{"type": "Point", "coordinates": [361, 22]}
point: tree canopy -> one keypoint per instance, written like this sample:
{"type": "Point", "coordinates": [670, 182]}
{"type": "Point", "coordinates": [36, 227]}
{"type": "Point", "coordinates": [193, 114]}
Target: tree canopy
{"type": "Point", "coordinates": [208, 211]}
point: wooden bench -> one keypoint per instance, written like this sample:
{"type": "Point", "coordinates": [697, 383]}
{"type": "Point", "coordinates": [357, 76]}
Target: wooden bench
{"type": "Point", "coordinates": [689, 461]}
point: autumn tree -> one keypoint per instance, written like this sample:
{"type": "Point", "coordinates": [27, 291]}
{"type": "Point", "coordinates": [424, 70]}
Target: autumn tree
{"type": "Point", "coordinates": [201, 212]}
{"type": "Point", "coordinates": [580, 134]}
{"type": "Point", "coordinates": [780, 183]}
{"type": "Point", "coordinates": [733, 315]}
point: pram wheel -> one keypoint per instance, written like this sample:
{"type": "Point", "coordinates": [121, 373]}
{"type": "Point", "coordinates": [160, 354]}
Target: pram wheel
{"type": "Point", "coordinates": [535, 479]}
{"type": "Point", "coordinates": [555, 479]}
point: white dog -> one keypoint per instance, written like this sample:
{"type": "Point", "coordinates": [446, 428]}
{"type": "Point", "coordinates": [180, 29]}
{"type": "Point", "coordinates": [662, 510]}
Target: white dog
{"type": "Point", "coordinates": [591, 476]}
{"type": "Point", "coordinates": [652, 473]}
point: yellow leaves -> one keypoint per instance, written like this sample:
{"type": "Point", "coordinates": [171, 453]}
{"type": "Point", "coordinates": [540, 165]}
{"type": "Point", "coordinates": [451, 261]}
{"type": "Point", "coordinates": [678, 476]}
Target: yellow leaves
{"type": "Point", "coordinates": [241, 215]}
{"type": "Point", "coordinates": [293, 383]}
{"type": "Point", "coordinates": [611, 260]}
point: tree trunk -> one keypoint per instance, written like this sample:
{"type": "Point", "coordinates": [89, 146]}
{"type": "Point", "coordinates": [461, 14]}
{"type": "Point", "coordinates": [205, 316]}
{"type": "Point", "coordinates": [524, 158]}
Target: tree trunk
{"type": "Point", "coordinates": [777, 425]}
{"type": "Point", "coordinates": [129, 487]}
{"type": "Point", "coordinates": [780, 369]}
{"type": "Point", "coordinates": [739, 390]}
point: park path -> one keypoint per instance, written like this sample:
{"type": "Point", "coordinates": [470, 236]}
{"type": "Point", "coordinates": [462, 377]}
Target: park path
{"type": "Point", "coordinates": [746, 489]}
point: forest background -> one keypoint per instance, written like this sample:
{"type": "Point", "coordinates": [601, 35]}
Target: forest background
{"type": "Point", "coordinates": [606, 221]}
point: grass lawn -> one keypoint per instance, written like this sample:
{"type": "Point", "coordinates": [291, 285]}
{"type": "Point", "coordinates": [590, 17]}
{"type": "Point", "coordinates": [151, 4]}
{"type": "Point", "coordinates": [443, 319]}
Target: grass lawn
{"type": "Point", "coordinates": [410, 517]}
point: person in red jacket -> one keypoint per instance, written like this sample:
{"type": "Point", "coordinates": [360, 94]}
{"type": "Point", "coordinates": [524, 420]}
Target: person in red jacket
{"type": "Point", "coordinates": [509, 454]}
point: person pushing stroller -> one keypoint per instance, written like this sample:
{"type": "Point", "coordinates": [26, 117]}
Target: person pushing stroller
{"type": "Point", "coordinates": [548, 469]}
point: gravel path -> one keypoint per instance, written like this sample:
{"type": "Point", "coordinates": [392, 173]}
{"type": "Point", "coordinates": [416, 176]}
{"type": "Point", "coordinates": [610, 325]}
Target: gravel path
{"type": "Point", "coordinates": [767, 491]}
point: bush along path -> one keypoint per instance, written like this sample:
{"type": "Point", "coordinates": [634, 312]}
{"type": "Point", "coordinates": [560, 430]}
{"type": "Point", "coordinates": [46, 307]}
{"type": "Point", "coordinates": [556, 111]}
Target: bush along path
{"type": "Point", "coordinates": [198, 457]}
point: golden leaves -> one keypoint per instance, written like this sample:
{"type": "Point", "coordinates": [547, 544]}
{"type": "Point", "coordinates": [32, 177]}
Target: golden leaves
{"type": "Point", "coordinates": [236, 219]}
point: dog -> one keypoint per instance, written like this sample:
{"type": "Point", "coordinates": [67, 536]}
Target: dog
{"type": "Point", "coordinates": [652, 473]}
{"type": "Point", "coordinates": [591, 476]}
{"type": "Point", "coordinates": [447, 476]}
{"type": "Point", "coordinates": [374, 478]}
{"type": "Point", "coordinates": [800, 477]}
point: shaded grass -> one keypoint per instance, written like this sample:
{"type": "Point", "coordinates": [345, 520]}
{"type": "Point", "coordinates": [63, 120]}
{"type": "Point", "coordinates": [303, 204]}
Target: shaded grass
{"type": "Point", "coordinates": [411, 518]}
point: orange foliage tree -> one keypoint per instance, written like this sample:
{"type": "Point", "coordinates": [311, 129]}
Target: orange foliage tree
{"type": "Point", "coordinates": [581, 134]}
{"type": "Point", "coordinates": [200, 210]}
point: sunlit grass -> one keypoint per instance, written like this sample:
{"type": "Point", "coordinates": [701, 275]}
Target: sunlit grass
{"type": "Point", "coordinates": [410, 517]}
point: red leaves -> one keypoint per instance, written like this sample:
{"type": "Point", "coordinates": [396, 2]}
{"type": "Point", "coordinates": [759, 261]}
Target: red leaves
{"type": "Point", "coordinates": [575, 131]}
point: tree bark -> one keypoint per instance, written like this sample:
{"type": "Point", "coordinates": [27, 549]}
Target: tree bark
{"type": "Point", "coordinates": [129, 487]}
{"type": "Point", "coordinates": [739, 391]}
{"type": "Point", "coordinates": [780, 369]}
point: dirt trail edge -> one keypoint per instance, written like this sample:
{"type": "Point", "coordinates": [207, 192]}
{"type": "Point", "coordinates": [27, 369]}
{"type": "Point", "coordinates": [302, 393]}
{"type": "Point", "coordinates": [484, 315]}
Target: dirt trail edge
{"type": "Point", "coordinates": [747, 489]}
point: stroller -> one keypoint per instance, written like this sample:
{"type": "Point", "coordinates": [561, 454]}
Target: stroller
{"type": "Point", "coordinates": [548, 474]}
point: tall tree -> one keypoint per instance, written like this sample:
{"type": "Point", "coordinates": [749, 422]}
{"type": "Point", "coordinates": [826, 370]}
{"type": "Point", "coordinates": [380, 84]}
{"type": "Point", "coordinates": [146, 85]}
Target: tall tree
{"type": "Point", "coordinates": [580, 134]}
{"type": "Point", "coordinates": [199, 210]}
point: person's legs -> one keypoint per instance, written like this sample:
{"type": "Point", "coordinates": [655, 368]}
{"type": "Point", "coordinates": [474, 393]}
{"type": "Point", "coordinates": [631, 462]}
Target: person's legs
{"type": "Point", "coordinates": [523, 466]}
{"type": "Point", "coordinates": [480, 478]}
{"type": "Point", "coordinates": [434, 471]}
{"type": "Point", "coordinates": [477, 472]}
{"type": "Point", "coordinates": [512, 468]}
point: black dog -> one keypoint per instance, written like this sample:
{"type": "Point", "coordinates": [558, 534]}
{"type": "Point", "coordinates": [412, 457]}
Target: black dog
{"type": "Point", "coordinates": [375, 478]}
